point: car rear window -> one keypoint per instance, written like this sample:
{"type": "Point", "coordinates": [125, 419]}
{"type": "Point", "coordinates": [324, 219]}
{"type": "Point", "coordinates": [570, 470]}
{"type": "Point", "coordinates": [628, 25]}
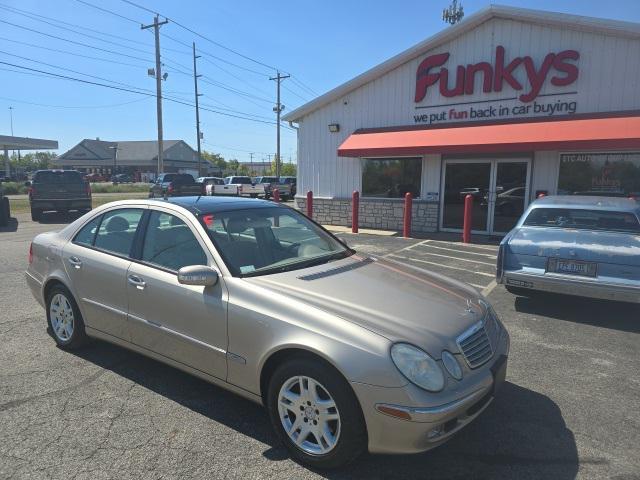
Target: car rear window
{"type": "Point", "coordinates": [241, 180]}
{"type": "Point", "coordinates": [58, 177]}
{"type": "Point", "coordinates": [584, 219]}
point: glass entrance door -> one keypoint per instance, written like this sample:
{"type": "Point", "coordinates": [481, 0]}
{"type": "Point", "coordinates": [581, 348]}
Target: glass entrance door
{"type": "Point", "coordinates": [500, 190]}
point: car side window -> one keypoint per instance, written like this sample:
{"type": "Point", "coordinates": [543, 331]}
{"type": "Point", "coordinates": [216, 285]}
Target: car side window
{"type": "Point", "coordinates": [87, 234]}
{"type": "Point", "coordinates": [117, 230]}
{"type": "Point", "coordinates": [170, 243]}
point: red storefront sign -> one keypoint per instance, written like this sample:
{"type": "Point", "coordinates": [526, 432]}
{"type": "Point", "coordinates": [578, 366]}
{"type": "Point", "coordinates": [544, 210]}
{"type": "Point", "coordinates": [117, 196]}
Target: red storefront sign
{"type": "Point", "coordinates": [495, 76]}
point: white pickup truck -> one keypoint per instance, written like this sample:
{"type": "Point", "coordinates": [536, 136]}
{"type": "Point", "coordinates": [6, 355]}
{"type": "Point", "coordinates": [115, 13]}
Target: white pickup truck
{"type": "Point", "coordinates": [236, 185]}
{"type": "Point", "coordinates": [216, 186]}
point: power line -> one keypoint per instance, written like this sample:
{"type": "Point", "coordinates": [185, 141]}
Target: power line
{"type": "Point", "coordinates": [108, 11]}
{"type": "Point", "coordinates": [246, 57]}
{"type": "Point", "coordinates": [30, 14]}
{"type": "Point", "coordinates": [294, 93]}
{"type": "Point", "coordinates": [114, 87]}
{"type": "Point", "coordinates": [74, 42]}
{"type": "Point", "coordinates": [71, 106]}
{"type": "Point", "coordinates": [70, 53]}
{"type": "Point", "coordinates": [295, 80]}
{"type": "Point", "coordinates": [68, 29]}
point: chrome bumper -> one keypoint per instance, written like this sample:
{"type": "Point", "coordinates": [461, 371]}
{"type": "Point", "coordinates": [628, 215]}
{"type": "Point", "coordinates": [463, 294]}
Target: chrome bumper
{"type": "Point", "coordinates": [572, 285]}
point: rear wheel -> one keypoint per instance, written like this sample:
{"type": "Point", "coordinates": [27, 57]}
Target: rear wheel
{"type": "Point", "coordinates": [36, 214]}
{"type": "Point", "coordinates": [316, 414]}
{"type": "Point", "coordinates": [5, 214]}
{"type": "Point", "coordinates": [64, 319]}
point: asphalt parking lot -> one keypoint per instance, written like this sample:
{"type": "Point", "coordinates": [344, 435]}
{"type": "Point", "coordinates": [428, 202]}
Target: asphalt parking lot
{"type": "Point", "coordinates": [570, 407]}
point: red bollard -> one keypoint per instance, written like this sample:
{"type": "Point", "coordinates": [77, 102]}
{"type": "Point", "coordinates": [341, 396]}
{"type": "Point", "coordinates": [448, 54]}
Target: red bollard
{"type": "Point", "coordinates": [276, 195]}
{"type": "Point", "coordinates": [408, 206]}
{"type": "Point", "coordinates": [355, 209]}
{"type": "Point", "coordinates": [310, 204]}
{"type": "Point", "coordinates": [466, 227]}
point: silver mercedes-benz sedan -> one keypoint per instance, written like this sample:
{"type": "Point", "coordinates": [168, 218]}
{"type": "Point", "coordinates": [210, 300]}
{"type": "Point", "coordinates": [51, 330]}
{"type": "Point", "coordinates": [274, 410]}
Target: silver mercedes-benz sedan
{"type": "Point", "coordinates": [347, 352]}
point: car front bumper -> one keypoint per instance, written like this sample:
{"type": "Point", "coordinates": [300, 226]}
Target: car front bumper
{"type": "Point", "coordinates": [433, 418]}
{"type": "Point", "coordinates": [573, 285]}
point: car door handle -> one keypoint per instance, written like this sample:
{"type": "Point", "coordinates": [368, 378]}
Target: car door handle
{"type": "Point", "coordinates": [136, 281]}
{"type": "Point", "coordinates": [75, 261]}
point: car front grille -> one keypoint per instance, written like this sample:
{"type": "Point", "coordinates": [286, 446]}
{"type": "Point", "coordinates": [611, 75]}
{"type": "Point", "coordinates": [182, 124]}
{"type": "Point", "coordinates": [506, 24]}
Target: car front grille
{"type": "Point", "coordinates": [479, 342]}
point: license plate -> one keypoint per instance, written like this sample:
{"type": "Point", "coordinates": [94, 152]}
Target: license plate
{"type": "Point", "coordinates": [572, 267]}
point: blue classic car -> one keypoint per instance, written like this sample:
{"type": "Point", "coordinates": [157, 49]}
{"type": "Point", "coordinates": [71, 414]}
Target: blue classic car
{"type": "Point", "coordinates": [575, 245]}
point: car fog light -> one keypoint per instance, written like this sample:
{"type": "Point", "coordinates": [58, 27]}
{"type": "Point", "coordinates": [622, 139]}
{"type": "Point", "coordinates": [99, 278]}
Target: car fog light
{"type": "Point", "coordinates": [452, 365]}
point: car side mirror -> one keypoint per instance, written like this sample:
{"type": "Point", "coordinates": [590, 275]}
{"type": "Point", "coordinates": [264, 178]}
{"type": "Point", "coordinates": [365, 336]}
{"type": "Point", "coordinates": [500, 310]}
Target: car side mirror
{"type": "Point", "coordinates": [199, 275]}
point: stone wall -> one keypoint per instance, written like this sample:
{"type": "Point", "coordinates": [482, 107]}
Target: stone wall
{"type": "Point", "coordinates": [385, 214]}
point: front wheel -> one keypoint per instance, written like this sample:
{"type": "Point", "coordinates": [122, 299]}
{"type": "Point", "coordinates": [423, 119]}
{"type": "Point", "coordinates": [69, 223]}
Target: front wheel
{"type": "Point", "coordinates": [316, 414]}
{"type": "Point", "coordinates": [64, 319]}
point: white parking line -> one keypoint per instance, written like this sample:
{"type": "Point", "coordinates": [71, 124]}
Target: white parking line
{"type": "Point", "coordinates": [489, 288]}
{"type": "Point", "coordinates": [406, 248]}
{"type": "Point", "coordinates": [461, 259]}
{"type": "Point", "coordinates": [442, 265]}
{"type": "Point", "coordinates": [488, 255]}
{"type": "Point", "coordinates": [470, 245]}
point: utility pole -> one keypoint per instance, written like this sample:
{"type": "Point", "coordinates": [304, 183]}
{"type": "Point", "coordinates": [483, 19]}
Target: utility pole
{"type": "Point", "coordinates": [195, 82]}
{"type": "Point", "coordinates": [278, 109]}
{"type": "Point", "coordinates": [156, 30]}
{"type": "Point", "coordinates": [251, 160]}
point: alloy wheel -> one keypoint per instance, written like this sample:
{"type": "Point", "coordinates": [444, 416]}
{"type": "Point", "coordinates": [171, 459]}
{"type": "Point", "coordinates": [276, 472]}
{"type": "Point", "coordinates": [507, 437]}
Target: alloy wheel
{"type": "Point", "coordinates": [309, 415]}
{"type": "Point", "coordinates": [62, 318]}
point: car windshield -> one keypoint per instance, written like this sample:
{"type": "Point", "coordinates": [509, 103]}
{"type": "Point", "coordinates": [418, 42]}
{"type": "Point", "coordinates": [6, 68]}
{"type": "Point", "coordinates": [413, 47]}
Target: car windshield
{"type": "Point", "coordinates": [57, 177]}
{"type": "Point", "coordinates": [584, 219]}
{"type": "Point", "coordinates": [268, 240]}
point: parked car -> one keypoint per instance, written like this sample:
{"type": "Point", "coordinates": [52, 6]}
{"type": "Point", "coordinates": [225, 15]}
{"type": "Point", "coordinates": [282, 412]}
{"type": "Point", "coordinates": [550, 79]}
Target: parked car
{"type": "Point", "coordinates": [575, 245]}
{"type": "Point", "coordinates": [214, 186]}
{"type": "Point", "coordinates": [244, 186]}
{"type": "Point", "coordinates": [258, 299]}
{"type": "Point", "coordinates": [290, 181]}
{"type": "Point", "coordinates": [271, 183]}
{"type": "Point", "coordinates": [121, 178]}
{"type": "Point", "coordinates": [175, 185]}
{"type": "Point", "coordinates": [59, 190]}
{"type": "Point", "coordinates": [5, 208]}
{"type": "Point", "coordinates": [95, 177]}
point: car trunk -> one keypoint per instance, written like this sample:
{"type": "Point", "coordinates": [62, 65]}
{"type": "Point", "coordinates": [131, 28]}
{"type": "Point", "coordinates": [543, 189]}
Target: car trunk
{"type": "Point", "coordinates": [616, 255]}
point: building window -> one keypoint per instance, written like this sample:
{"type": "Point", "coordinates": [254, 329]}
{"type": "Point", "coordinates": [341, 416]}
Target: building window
{"type": "Point", "coordinates": [391, 177]}
{"type": "Point", "coordinates": [610, 174]}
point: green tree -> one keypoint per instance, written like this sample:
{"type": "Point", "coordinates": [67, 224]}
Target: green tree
{"type": "Point", "coordinates": [215, 159]}
{"type": "Point", "coordinates": [32, 161]}
{"type": "Point", "coordinates": [286, 169]}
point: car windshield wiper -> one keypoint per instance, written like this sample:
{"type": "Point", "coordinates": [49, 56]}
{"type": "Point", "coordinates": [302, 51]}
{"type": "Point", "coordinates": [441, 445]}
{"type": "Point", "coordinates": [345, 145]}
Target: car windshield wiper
{"type": "Point", "coordinates": [302, 264]}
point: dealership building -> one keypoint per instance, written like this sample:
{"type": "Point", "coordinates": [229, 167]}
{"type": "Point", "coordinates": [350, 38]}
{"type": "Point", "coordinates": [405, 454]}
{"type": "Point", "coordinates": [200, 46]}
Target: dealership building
{"type": "Point", "coordinates": [505, 105]}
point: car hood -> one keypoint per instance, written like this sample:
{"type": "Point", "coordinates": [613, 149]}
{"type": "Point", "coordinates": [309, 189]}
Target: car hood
{"type": "Point", "coordinates": [397, 301]}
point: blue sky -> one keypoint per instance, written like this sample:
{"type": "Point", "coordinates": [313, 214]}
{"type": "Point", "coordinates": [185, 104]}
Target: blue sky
{"type": "Point", "coordinates": [322, 44]}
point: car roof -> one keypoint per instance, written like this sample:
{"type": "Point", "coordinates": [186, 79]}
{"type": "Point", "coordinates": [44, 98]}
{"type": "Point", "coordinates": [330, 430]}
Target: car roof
{"type": "Point", "coordinates": [589, 202]}
{"type": "Point", "coordinates": [206, 204]}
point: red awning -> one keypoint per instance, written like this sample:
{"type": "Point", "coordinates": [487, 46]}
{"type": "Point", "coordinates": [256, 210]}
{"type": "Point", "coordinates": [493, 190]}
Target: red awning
{"type": "Point", "coordinates": [593, 133]}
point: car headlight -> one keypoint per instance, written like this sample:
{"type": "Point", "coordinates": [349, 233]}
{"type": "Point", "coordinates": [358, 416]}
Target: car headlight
{"type": "Point", "coordinates": [419, 368]}
{"type": "Point", "coordinates": [452, 365]}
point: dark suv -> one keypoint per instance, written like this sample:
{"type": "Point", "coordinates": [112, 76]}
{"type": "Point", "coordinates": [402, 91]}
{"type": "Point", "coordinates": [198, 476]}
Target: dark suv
{"type": "Point", "coordinates": [59, 190]}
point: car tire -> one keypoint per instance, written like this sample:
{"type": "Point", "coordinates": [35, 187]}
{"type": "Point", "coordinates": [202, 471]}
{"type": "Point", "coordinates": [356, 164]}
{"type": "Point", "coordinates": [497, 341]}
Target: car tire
{"type": "Point", "coordinates": [346, 436]}
{"type": "Point", "coordinates": [36, 214]}
{"type": "Point", "coordinates": [5, 213]}
{"type": "Point", "coordinates": [64, 319]}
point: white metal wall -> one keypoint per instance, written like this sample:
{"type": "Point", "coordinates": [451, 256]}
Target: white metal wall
{"type": "Point", "coordinates": [609, 80]}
